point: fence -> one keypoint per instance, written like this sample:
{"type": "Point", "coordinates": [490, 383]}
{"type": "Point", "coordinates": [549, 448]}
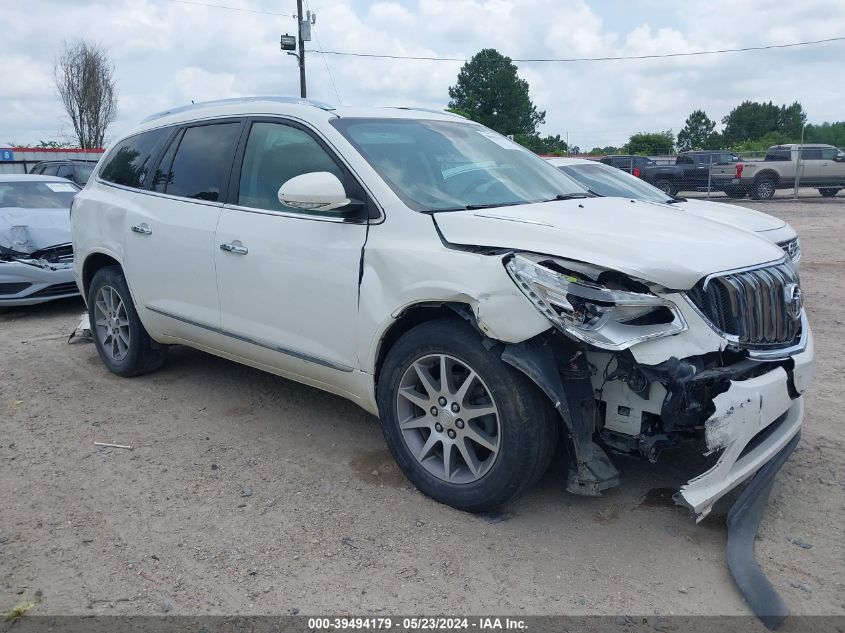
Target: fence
{"type": "Point", "coordinates": [21, 160]}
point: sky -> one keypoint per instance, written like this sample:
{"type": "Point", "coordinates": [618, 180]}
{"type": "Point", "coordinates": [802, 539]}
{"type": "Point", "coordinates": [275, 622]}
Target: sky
{"type": "Point", "coordinates": [168, 53]}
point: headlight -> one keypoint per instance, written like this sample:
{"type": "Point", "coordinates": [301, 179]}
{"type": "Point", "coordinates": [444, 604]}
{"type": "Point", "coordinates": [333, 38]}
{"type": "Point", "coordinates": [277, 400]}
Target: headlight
{"type": "Point", "coordinates": [590, 312]}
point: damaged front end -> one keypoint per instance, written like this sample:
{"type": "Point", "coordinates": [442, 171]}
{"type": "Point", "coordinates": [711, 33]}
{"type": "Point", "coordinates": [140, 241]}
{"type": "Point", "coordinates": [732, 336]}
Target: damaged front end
{"type": "Point", "coordinates": [634, 368]}
{"type": "Point", "coordinates": [34, 277]}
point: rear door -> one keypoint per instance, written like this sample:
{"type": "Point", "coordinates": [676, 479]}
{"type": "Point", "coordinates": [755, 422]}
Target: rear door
{"type": "Point", "coordinates": [288, 278]}
{"type": "Point", "coordinates": [169, 252]}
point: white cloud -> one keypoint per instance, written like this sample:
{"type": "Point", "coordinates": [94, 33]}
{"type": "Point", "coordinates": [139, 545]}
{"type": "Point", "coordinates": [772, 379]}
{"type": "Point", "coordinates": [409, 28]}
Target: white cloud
{"type": "Point", "coordinates": [166, 53]}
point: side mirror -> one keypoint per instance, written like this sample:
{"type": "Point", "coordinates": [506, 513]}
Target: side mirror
{"type": "Point", "coordinates": [316, 191]}
{"type": "Point", "coordinates": [840, 157]}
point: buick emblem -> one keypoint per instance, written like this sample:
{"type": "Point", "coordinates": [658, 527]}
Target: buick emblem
{"type": "Point", "coordinates": [793, 300]}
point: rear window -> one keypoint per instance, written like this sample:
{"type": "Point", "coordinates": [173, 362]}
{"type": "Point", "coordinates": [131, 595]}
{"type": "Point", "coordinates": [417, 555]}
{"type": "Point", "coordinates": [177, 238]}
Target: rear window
{"type": "Point", "coordinates": [202, 161]}
{"type": "Point", "coordinates": [781, 154]}
{"type": "Point", "coordinates": [130, 161]}
{"type": "Point", "coordinates": [37, 195]}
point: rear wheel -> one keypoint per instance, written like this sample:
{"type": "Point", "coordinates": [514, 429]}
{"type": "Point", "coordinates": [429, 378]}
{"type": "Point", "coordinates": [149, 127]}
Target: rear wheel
{"type": "Point", "coordinates": [667, 187]}
{"type": "Point", "coordinates": [465, 428]}
{"type": "Point", "coordinates": [735, 192]}
{"type": "Point", "coordinates": [121, 340]}
{"type": "Point", "coordinates": [829, 192]}
{"type": "Point", "coordinates": [763, 189]}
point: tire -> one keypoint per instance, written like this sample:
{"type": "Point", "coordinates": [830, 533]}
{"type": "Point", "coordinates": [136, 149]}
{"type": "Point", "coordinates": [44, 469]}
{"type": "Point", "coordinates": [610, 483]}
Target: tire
{"type": "Point", "coordinates": [123, 344]}
{"type": "Point", "coordinates": [519, 432]}
{"type": "Point", "coordinates": [829, 192]}
{"type": "Point", "coordinates": [667, 187]}
{"type": "Point", "coordinates": [735, 192]}
{"type": "Point", "coordinates": [763, 189]}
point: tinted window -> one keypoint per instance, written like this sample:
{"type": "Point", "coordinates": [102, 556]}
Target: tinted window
{"type": "Point", "coordinates": [274, 154]}
{"type": "Point", "coordinates": [811, 153]}
{"type": "Point", "coordinates": [49, 170]}
{"type": "Point", "coordinates": [829, 153]}
{"type": "Point", "coordinates": [127, 164]}
{"type": "Point", "coordinates": [779, 154]}
{"type": "Point", "coordinates": [684, 160]}
{"type": "Point", "coordinates": [83, 173]}
{"type": "Point", "coordinates": [65, 171]}
{"type": "Point", "coordinates": [202, 161]}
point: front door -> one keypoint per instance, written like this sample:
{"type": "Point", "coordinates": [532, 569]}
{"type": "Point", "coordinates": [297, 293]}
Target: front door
{"type": "Point", "coordinates": [288, 278]}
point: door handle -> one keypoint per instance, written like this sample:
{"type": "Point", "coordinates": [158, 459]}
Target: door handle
{"type": "Point", "coordinates": [142, 229]}
{"type": "Point", "coordinates": [236, 248]}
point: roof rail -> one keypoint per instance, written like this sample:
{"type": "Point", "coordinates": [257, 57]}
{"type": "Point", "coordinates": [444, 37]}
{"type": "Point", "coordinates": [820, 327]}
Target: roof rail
{"type": "Point", "coordinates": [432, 110]}
{"type": "Point", "coordinates": [234, 100]}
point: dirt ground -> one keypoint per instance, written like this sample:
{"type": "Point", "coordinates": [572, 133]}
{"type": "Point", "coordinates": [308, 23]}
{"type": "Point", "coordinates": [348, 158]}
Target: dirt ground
{"type": "Point", "coordinates": [249, 494]}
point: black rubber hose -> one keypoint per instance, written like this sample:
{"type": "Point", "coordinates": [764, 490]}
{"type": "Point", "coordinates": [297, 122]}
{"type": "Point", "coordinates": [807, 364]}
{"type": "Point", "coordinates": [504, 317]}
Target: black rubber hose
{"type": "Point", "coordinates": [743, 521]}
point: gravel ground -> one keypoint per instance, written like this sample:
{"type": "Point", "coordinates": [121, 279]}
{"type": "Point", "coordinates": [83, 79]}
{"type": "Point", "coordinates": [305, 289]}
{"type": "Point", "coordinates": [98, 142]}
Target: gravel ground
{"type": "Point", "coordinates": [249, 494]}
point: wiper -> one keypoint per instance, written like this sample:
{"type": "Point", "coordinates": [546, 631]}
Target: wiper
{"type": "Point", "coordinates": [475, 207]}
{"type": "Point", "coordinates": [675, 200]}
{"type": "Point", "coordinates": [570, 196]}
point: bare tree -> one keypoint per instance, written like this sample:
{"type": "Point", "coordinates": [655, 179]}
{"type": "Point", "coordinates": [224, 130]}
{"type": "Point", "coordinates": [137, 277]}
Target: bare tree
{"type": "Point", "coordinates": [84, 80]}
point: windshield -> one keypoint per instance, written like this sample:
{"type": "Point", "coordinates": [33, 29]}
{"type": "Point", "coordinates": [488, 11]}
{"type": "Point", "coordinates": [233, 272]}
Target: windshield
{"type": "Point", "coordinates": [447, 166]}
{"type": "Point", "coordinates": [37, 194]}
{"type": "Point", "coordinates": [83, 172]}
{"type": "Point", "coordinates": [609, 181]}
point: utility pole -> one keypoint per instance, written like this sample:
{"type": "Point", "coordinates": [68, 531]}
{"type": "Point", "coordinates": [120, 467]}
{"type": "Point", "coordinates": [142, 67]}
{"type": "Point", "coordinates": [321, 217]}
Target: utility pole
{"type": "Point", "coordinates": [302, 91]}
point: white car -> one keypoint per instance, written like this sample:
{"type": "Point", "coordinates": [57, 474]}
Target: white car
{"type": "Point", "coordinates": [442, 277]}
{"type": "Point", "coordinates": [609, 181]}
{"type": "Point", "coordinates": [36, 259]}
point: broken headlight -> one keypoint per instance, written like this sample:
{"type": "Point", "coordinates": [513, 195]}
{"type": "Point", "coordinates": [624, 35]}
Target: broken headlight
{"type": "Point", "coordinates": [590, 311]}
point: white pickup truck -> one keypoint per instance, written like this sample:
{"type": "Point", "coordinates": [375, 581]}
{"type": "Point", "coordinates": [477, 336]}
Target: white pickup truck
{"type": "Point", "coordinates": [818, 166]}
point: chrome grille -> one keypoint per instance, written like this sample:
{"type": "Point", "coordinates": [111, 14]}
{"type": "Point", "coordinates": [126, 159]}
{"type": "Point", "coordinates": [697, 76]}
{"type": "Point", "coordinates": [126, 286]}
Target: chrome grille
{"type": "Point", "coordinates": [758, 308]}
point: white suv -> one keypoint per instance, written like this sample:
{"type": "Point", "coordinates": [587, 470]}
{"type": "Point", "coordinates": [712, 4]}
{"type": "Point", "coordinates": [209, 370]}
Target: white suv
{"type": "Point", "coordinates": [475, 298]}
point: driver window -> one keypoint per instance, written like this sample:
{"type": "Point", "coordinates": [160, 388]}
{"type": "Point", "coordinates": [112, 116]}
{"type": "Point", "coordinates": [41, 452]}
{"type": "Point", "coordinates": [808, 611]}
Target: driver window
{"type": "Point", "coordinates": [274, 154]}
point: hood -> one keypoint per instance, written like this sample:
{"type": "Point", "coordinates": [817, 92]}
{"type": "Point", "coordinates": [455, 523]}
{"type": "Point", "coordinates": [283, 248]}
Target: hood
{"type": "Point", "coordinates": [646, 240]}
{"type": "Point", "coordinates": [25, 231]}
{"type": "Point", "coordinates": [732, 214]}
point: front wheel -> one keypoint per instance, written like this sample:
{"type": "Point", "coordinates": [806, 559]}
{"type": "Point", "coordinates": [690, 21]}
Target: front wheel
{"type": "Point", "coordinates": [121, 340]}
{"type": "Point", "coordinates": [465, 428]}
{"type": "Point", "coordinates": [829, 192]}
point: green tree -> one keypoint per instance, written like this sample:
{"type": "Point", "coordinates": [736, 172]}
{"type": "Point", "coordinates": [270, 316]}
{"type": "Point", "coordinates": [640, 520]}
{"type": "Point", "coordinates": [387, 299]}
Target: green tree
{"type": "Point", "coordinates": [490, 92]}
{"type": "Point", "coordinates": [698, 132]}
{"type": "Point", "coordinates": [792, 120]}
{"type": "Point", "coordinates": [750, 121]}
{"type": "Point", "coordinates": [648, 143]}
{"type": "Point", "coordinates": [545, 145]}
{"type": "Point", "coordinates": [830, 133]}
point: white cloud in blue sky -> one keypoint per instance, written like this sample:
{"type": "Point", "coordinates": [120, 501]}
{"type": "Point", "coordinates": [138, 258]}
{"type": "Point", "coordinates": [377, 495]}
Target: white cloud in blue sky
{"type": "Point", "coordinates": [168, 53]}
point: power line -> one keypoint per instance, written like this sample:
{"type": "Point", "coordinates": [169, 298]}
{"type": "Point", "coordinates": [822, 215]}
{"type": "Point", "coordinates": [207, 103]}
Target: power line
{"type": "Point", "coordinates": [597, 59]}
{"type": "Point", "coordinates": [325, 62]}
{"type": "Point", "coordinates": [221, 6]}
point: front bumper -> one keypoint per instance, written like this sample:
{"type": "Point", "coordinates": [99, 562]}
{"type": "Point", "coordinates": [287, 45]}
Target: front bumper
{"type": "Point", "coordinates": [754, 420]}
{"type": "Point", "coordinates": [28, 284]}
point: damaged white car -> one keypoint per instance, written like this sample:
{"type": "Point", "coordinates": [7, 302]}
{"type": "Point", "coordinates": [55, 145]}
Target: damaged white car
{"type": "Point", "coordinates": [447, 280]}
{"type": "Point", "coordinates": [36, 258]}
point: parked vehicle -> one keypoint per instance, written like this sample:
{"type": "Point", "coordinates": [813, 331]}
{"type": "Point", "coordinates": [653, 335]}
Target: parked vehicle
{"type": "Point", "coordinates": [817, 165]}
{"type": "Point", "coordinates": [606, 181]}
{"type": "Point", "coordinates": [451, 282]}
{"type": "Point", "coordinates": [632, 164]}
{"type": "Point", "coordinates": [690, 171]}
{"type": "Point", "coordinates": [77, 171]}
{"type": "Point", "coordinates": [35, 250]}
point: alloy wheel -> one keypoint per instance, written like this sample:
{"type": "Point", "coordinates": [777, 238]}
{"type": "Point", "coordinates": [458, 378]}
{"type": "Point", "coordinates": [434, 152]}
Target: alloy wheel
{"type": "Point", "coordinates": [448, 418]}
{"type": "Point", "coordinates": [112, 323]}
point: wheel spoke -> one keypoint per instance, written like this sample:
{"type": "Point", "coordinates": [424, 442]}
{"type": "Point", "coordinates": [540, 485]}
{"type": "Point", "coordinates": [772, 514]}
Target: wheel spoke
{"type": "Point", "coordinates": [422, 422]}
{"type": "Point", "coordinates": [476, 411]}
{"type": "Point", "coordinates": [426, 449]}
{"type": "Point", "coordinates": [412, 395]}
{"type": "Point", "coordinates": [124, 337]}
{"type": "Point", "coordinates": [481, 438]}
{"type": "Point", "coordinates": [461, 394]}
{"type": "Point", "coordinates": [445, 375]}
{"type": "Point", "coordinates": [468, 453]}
{"type": "Point", "coordinates": [447, 460]}
{"type": "Point", "coordinates": [427, 381]}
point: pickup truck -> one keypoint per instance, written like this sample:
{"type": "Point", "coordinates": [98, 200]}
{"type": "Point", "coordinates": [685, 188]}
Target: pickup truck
{"type": "Point", "coordinates": [689, 172]}
{"type": "Point", "coordinates": [819, 166]}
